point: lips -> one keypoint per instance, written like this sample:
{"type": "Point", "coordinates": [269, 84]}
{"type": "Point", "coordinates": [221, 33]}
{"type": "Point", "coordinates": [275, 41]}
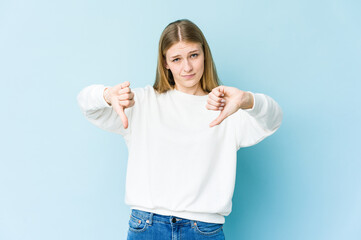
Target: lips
{"type": "Point", "coordinates": [189, 76]}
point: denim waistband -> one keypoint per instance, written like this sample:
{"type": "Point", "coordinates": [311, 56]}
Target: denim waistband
{"type": "Point", "coordinates": [154, 217]}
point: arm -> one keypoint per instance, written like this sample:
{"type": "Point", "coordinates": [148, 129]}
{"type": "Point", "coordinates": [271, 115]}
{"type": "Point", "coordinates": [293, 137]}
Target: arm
{"type": "Point", "coordinates": [257, 122]}
{"type": "Point", "coordinates": [95, 108]}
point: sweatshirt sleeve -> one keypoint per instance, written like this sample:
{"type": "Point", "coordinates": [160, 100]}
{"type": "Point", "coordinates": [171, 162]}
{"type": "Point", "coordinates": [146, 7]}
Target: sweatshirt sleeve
{"type": "Point", "coordinates": [98, 112]}
{"type": "Point", "coordinates": [259, 122]}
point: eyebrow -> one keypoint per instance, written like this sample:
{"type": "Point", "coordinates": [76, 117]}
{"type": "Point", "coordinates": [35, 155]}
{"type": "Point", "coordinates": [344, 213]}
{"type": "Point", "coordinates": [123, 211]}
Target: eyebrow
{"type": "Point", "coordinates": [189, 52]}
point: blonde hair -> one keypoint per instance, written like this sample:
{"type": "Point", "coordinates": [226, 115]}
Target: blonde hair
{"type": "Point", "coordinates": [187, 31]}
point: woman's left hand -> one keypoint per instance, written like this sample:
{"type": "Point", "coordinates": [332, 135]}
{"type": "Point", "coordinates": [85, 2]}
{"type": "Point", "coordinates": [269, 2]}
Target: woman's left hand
{"type": "Point", "coordinates": [233, 98]}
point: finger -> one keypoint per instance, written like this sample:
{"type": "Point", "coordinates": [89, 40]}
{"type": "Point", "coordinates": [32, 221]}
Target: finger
{"type": "Point", "coordinates": [122, 85]}
{"type": "Point", "coordinates": [217, 92]}
{"type": "Point", "coordinates": [221, 91]}
{"type": "Point", "coordinates": [124, 103]}
{"type": "Point", "coordinates": [132, 102]}
{"type": "Point", "coordinates": [120, 111]}
{"type": "Point", "coordinates": [215, 104]}
{"type": "Point", "coordinates": [125, 96]}
{"type": "Point", "coordinates": [211, 107]}
{"type": "Point", "coordinates": [124, 90]}
{"type": "Point", "coordinates": [131, 95]}
{"type": "Point", "coordinates": [216, 101]}
{"type": "Point", "coordinates": [125, 84]}
{"type": "Point", "coordinates": [215, 97]}
{"type": "Point", "coordinates": [118, 87]}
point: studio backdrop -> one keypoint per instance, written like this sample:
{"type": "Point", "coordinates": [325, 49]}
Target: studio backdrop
{"type": "Point", "coordinates": [63, 178]}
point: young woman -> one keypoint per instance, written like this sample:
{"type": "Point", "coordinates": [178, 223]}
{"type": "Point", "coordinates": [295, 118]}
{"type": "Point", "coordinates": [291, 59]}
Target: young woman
{"type": "Point", "coordinates": [182, 135]}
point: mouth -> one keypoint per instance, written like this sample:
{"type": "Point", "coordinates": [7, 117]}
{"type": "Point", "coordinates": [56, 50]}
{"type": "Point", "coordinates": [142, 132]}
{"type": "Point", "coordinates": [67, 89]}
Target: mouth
{"type": "Point", "coordinates": [189, 76]}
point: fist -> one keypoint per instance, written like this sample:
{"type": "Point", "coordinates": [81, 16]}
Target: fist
{"type": "Point", "coordinates": [228, 100]}
{"type": "Point", "coordinates": [120, 97]}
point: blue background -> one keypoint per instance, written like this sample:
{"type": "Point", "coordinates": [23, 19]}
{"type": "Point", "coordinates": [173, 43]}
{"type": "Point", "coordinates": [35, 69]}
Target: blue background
{"type": "Point", "coordinates": [63, 178]}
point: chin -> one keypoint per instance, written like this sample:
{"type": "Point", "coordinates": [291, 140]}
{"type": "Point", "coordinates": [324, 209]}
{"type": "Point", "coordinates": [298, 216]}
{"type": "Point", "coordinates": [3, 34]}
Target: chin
{"type": "Point", "coordinates": [189, 82]}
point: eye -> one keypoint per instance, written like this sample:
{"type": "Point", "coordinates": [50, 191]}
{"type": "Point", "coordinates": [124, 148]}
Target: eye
{"type": "Point", "coordinates": [195, 54]}
{"type": "Point", "coordinates": [174, 60]}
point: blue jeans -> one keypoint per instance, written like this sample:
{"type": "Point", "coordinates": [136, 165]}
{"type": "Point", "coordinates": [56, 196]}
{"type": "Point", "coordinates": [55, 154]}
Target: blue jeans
{"type": "Point", "coordinates": [151, 226]}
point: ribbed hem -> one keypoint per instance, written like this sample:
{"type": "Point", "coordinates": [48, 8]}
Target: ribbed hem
{"type": "Point", "coordinates": [204, 217]}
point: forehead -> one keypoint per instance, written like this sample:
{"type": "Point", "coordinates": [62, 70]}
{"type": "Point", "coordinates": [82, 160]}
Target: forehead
{"type": "Point", "coordinates": [183, 48]}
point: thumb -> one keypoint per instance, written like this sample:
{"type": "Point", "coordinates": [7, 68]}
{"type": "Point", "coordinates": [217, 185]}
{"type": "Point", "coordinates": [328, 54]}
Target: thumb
{"type": "Point", "coordinates": [120, 111]}
{"type": "Point", "coordinates": [218, 120]}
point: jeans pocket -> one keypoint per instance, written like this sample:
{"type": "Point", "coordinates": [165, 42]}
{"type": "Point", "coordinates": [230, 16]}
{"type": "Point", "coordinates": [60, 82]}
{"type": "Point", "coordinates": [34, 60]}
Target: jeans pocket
{"type": "Point", "coordinates": [137, 224]}
{"type": "Point", "coordinates": [207, 228]}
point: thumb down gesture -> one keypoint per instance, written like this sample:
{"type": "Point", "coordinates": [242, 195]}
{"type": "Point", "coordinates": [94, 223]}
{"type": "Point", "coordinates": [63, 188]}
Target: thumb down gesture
{"type": "Point", "coordinates": [228, 100]}
{"type": "Point", "coordinates": [120, 97]}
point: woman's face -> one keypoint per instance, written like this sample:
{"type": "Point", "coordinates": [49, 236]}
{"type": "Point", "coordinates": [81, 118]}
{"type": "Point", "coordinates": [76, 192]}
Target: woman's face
{"type": "Point", "coordinates": [186, 62]}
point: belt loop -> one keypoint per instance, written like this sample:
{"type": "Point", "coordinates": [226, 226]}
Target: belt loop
{"type": "Point", "coordinates": [150, 220]}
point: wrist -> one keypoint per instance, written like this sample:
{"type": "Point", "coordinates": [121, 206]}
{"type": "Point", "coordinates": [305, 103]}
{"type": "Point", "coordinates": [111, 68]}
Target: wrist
{"type": "Point", "coordinates": [248, 100]}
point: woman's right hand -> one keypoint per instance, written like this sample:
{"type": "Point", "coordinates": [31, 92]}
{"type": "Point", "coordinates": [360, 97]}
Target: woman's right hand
{"type": "Point", "coordinates": [120, 97]}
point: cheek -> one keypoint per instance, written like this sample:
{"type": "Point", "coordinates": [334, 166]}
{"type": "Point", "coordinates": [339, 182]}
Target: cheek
{"type": "Point", "coordinates": [174, 69]}
{"type": "Point", "coordinates": [200, 65]}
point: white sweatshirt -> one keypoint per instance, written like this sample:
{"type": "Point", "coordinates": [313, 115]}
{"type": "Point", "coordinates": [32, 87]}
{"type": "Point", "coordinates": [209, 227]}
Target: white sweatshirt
{"type": "Point", "coordinates": [177, 164]}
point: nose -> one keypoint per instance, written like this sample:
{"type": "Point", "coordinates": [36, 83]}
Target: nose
{"type": "Point", "coordinates": [187, 66]}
